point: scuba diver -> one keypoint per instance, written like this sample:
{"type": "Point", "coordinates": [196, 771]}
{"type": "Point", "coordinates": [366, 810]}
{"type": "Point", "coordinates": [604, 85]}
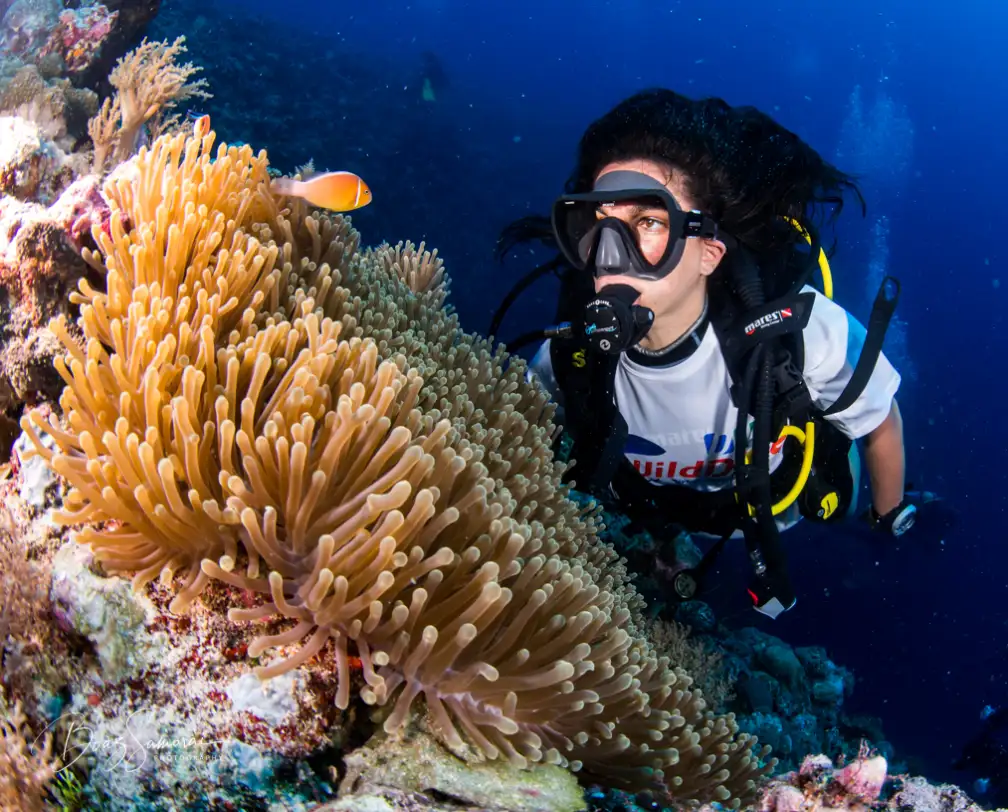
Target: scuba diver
{"type": "Point", "coordinates": [704, 382]}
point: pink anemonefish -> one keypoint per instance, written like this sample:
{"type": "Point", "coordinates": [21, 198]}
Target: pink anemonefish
{"type": "Point", "coordinates": [338, 191]}
{"type": "Point", "coordinates": [201, 126]}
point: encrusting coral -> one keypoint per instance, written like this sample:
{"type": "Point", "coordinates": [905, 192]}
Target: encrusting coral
{"type": "Point", "coordinates": [261, 403]}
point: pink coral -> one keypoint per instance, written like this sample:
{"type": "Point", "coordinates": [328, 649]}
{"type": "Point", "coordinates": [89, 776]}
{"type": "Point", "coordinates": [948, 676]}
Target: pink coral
{"type": "Point", "coordinates": [81, 207]}
{"type": "Point", "coordinates": [864, 778]}
{"type": "Point", "coordinates": [818, 786]}
{"type": "Point", "coordinates": [783, 798]}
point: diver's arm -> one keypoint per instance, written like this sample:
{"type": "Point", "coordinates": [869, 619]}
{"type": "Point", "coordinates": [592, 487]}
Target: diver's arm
{"type": "Point", "coordinates": [884, 457]}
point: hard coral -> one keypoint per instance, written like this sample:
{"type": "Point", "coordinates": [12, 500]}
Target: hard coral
{"type": "Point", "coordinates": [294, 419]}
{"type": "Point", "coordinates": [60, 109]}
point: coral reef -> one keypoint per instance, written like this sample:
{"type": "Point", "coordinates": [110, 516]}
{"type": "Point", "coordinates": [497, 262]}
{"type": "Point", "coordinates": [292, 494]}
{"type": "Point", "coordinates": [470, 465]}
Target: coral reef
{"type": "Point", "coordinates": [24, 629]}
{"type": "Point", "coordinates": [432, 539]}
{"type": "Point", "coordinates": [859, 785]}
{"type": "Point", "coordinates": [44, 49]}
{"type": "Point", "coordinates": [704, 663]}
{"type": "Point", "coordinates": [28, 648]}
{"type": "Point", "coordinates": [79, 35]}
{"type": "Point", "coordinates": [80, 41]}
{"type": "Point", "coordinates": [143, 704]}
{"type": "Point", "coordinates": [791, 698]}
{"type": "Point", "coordinates": [49, 204]}
{"type": "Point", "coordinates": [794, 698]}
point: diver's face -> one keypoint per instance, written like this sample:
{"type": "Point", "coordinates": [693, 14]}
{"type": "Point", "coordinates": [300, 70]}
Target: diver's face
{"type": "Point", "coordinates": [651, 227]}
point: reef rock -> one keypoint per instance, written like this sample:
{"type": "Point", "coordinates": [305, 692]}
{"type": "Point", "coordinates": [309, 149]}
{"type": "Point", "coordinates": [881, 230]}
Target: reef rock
{"type": "Point", "coordinates": [104, 610]}
{"type": "Point", "coordinates": [40, 265]}
{"type": "Point", "coordinates": [417, 765]}
{"type": "Point", "coordinates": [917, 795]}
{"type": "Point", "coordinates": [26, 25]}
{"type": "Point", "coordinates": [32, 167]}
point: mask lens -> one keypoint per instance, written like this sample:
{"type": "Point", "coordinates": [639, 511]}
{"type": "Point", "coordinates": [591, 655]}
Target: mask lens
{"type": "Point", "coordinates": [645, 223]}
{"type": "Point", "coordinates": [573, 224]}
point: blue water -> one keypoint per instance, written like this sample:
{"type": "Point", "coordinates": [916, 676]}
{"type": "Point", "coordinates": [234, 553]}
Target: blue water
{"type": "Point", "coordinates": [923, 624]}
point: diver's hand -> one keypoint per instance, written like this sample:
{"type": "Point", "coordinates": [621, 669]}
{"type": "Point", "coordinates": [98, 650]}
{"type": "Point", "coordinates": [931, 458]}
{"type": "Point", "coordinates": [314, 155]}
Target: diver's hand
{"type": "Point", "coordinates": [897, 521]}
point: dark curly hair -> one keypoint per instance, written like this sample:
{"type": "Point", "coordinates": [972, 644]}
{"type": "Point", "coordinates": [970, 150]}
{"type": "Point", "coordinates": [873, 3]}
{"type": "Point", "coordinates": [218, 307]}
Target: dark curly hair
{"type": "Point", "coordinates": [739, 166]}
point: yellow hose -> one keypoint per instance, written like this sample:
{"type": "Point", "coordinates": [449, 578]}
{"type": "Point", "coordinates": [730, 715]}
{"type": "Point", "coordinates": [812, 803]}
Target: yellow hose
{"type": "Point", "coordinates": [807, 439]}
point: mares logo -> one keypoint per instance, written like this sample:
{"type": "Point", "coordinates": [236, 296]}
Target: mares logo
{"type": "Point", "coordinates": [769, 320]}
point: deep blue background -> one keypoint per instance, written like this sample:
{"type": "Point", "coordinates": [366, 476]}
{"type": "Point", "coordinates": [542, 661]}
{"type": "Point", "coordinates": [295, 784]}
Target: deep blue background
{"type": "Point", "coordinates": [923, 624]}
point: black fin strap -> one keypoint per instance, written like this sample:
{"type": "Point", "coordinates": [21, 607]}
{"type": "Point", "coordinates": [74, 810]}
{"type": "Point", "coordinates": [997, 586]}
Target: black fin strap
{"type": "Point", "coordinates": [881, 314]}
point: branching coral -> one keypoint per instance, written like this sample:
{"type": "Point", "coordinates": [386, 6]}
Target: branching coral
{"type": "Point", "coordinates": [149, 83]}
{"type": "Point", "coordinates": [260, 403]}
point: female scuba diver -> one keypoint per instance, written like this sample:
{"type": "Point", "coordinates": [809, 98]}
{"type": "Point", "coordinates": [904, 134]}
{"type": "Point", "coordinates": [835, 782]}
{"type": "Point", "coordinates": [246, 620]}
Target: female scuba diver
{"type": "Point", "coordinates": [690, 335]}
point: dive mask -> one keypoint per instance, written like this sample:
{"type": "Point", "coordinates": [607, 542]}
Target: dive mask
{"type": "Point", "coordinates": [610, 245]}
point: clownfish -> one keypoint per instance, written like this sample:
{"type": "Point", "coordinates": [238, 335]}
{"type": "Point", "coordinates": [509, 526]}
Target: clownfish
{"type": "Point", "coordinates": [201, 126]}
{"type": "Point", "coordinates": [338, 191]}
